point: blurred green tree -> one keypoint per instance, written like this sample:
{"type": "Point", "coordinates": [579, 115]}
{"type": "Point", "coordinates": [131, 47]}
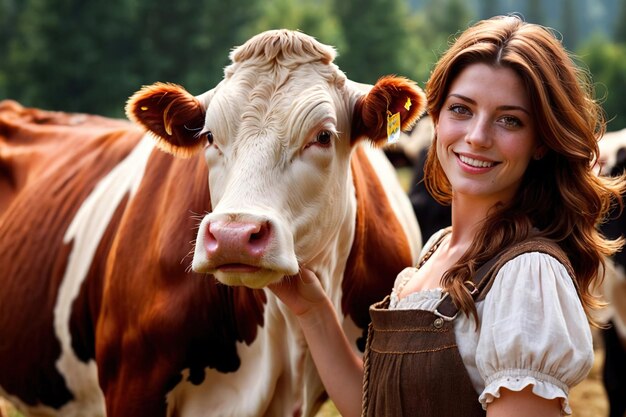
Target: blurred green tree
{"type": "Point", "coordinates": [89, 56]}
{"type": "Point", "coordinates": [489, 8]}
{"type": "Point", "coordinates": [84, 55]}
{"type": "Point", "coordinates": [607, 63]}
{"type": "Point", "coordinates": [620, 28]}
{"type": "Point", "coordinates": [419, 56]}
{"type": "Point", "coordinates": [9, 10]}
{"type": "Point", "coordinates": [376, 37]}
{"type": "Point", "coordinates": [313, 17]}
{"type": "Point", "coordinates": [447, 18]}
{"type": "Point", "coordinates": [535, 12]}
{"type": "Point", "coordinates": [432, 30]}
{"type": "Point", "coordinates": [70, 55]}
{"type": "Point", "coordinates": [570, 26]}
{"type": "Point", "coordinates": [188, 42]}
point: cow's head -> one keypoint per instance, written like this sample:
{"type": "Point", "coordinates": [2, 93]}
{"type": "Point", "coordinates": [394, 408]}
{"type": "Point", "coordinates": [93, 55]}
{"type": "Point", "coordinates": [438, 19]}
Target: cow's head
{"type": "Point", "coordinates": [277, 134]}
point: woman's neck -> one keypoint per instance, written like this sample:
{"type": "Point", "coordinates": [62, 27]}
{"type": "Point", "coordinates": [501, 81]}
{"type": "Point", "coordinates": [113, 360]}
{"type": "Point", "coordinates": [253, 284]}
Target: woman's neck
{"type": "Point", "coordinates": [467, 218]}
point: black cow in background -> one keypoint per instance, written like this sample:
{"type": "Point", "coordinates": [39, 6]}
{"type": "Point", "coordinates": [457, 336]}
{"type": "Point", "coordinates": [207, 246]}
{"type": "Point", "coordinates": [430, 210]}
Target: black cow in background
{"type": "Point", "coordinates": [432, 215]}
{"type": "Point", "coordinates": [613, 162]}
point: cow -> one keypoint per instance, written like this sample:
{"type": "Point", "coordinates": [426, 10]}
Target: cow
{"type": "Point", "coordinates": [612, 161]}
{"type": "Point", "coordinates": [135, 257]}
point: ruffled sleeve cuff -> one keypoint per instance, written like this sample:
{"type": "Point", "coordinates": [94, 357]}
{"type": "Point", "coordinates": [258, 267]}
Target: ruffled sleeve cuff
{"type": "Point", "coordinates": [543, 385]}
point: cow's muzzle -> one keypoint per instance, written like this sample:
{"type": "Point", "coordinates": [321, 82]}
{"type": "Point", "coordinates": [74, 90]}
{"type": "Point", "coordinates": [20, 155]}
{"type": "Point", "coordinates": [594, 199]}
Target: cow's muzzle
{"type": "Point", "coordinates": [244, 249]}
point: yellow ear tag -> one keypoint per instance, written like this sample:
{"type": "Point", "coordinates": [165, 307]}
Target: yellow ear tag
{"type": "Point", "coordinates": [408, 104]}
{"type": "Point", "coordinates": [393, 127]}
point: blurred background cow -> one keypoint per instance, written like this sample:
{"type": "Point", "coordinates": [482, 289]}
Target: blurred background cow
{"type": "Point", "coordinates": [613, 162]}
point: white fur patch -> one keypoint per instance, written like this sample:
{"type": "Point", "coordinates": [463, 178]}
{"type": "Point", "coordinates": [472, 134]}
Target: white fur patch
{"type": "Point", "coordinates": [86, 231]}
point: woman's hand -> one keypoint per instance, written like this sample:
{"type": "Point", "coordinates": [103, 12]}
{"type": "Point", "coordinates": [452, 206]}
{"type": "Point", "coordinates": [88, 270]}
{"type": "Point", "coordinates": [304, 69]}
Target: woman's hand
{"type": "Point", "coordinates": [301, 292]}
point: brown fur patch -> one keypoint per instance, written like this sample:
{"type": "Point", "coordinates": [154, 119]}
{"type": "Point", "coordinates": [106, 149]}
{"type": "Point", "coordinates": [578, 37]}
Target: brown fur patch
{"type": "Point", "coordinates": [380, 249]}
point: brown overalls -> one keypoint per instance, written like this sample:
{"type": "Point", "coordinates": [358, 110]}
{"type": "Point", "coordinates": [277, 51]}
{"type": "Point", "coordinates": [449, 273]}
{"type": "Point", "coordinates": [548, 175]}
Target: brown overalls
{"type": "Point", "coordinates": [412, 364]}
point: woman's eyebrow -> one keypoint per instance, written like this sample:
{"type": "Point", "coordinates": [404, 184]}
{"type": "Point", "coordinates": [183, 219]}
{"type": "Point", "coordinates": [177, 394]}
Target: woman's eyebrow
{"type": "Point", "coordinates": [503, 107]}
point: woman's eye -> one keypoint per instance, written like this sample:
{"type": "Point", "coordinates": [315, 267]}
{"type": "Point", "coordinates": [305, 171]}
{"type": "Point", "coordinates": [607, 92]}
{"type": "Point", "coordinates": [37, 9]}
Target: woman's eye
{"type": "Point", "coordinates": [324, 138]}
{"type": "Point", "coordinates": [459, 109]}
{"type": "Point", "coordinates": [209, 137]}
{"type": "Point", "coordinates": [511, 121]}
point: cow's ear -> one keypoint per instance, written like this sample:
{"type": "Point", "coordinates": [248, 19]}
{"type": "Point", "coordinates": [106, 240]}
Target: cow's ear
{"type": "Point", "coordinates": [392, 100]}
{"type": "Point", "coordinates": [172, 114]}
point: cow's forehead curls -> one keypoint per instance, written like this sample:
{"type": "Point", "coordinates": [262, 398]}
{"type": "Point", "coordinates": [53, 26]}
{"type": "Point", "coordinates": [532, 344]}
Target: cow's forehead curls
{"type": "Point", "coordinates": [285, 47]}
{"type": "Point", "coordinates": [279, 52]}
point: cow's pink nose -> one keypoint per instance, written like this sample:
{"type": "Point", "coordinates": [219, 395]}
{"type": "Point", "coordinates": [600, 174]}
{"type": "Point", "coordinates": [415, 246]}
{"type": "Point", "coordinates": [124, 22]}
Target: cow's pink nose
{"type": "Point", "coordinates": [241, 239]}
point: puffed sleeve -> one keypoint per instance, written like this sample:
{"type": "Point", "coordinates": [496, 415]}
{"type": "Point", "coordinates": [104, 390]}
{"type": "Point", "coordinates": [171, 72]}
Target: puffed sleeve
{"type": "Point", "coordinates": [534, 331]}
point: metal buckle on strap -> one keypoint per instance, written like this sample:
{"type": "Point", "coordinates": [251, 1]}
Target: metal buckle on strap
{"type": "Point", "coordinates": [443, 316]}
{"type": "Point", "coordinates": [471, 287]}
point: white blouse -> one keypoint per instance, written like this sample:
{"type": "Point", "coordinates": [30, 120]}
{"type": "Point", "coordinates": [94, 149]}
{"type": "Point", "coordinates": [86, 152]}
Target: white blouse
{"type": "Point", "coordinates": [533, 329]}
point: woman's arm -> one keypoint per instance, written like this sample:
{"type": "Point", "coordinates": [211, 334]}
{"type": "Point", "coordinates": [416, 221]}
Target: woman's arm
{"type": "Point", "coordinates": [340, 369]}
{"type": "Point", "coordinates": [523, 404]}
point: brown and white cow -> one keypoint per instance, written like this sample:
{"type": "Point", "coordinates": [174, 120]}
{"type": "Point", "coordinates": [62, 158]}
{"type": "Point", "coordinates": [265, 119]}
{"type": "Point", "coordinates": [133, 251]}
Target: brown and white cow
{"type": "Point", "coordinates": [106, 308]}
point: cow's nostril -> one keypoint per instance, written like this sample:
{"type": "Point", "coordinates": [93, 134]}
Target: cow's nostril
{"type": "Point", "coordinates": [259, 240]}
{"type": "Point", "coordinates": [244, 238]}
{"type": "Point", "coordinates": [261, 234]}
{"type": "Point", "coordinates": [210, 242]}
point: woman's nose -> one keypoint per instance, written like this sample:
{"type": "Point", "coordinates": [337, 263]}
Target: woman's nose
{"type": "Point", "coordinates": [479, 133]}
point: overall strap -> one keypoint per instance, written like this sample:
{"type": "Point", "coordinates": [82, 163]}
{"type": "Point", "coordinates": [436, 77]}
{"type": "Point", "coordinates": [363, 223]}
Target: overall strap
{"type": "Point", "coordinates": [482, 280]}
{"type": "Point", "coordinates": [536, 244]}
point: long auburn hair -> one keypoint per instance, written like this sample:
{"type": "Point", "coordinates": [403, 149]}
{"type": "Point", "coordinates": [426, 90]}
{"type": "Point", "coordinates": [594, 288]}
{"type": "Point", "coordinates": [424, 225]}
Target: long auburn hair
{"type": "Point", "coordinates": [560, 194]}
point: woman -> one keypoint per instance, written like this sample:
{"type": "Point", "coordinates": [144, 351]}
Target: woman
{"type": "Point", "coordinates": [494, 318]}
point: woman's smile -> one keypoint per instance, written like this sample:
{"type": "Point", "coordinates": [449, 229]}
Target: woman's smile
{"type": "Point", "coordinates": [475, 162]}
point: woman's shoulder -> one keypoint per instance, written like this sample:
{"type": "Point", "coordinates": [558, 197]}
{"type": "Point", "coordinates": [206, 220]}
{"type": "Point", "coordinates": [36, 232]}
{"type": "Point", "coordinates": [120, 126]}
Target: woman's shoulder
{"type": "Point", "coordinates": [523, 261]}
{"type": "Point", "coordinates": [541, 247]}
{"type": "Point", "coordinates": [538, 267]}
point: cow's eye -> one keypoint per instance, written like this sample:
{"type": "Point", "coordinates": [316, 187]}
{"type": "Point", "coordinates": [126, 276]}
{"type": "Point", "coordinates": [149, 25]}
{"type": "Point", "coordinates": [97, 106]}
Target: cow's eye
{"type": "Point", "coordinates": [209, 137]}
{"type": "Point", "coordinates": [324, 138]}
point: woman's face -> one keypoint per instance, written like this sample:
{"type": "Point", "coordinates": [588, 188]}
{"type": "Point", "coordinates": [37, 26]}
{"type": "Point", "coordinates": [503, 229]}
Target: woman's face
{"type": "Point", "coordinates": [486, 133]}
